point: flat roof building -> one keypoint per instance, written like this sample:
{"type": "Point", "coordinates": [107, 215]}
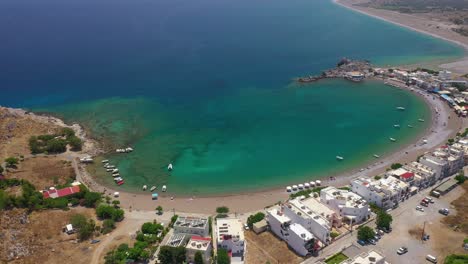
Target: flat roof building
{"type": "Point", "coordinates": [230, 236]}
{"type": "Point", "coordinates": [347, 204]}
{"type": "Point", "coordinates": [192, 225]}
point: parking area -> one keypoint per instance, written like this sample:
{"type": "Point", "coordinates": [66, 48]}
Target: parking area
{"type": "Point", "coordinates": [407, 226]}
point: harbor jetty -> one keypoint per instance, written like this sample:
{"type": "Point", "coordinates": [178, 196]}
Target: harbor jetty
{"type": "Point", "coordinates": [353, 70]}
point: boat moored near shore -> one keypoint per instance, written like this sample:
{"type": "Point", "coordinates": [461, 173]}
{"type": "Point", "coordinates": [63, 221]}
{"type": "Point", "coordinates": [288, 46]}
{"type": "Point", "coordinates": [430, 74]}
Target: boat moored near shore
{"type": "Point", "coordinates": [392, 139]}
{"type": "Point", "coordinates": [339, 158]}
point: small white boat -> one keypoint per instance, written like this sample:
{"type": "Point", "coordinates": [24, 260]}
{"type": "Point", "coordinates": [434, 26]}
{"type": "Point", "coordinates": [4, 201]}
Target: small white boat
{"type": "Point", "coordinates": [288, 188]}
{"type": "Point", "coordinates": [129, 149]}
{"type": "Point", "coordinates": [400, 108]}
{"type": "Point", "coordinates": [115, 170]}
{"type": "Point", "coordinates": [421, 120]}
{"type": "Point", "coordinates": [109, 170]}
{"type": "Point", "coordinates": [294, 187]}
{"type": "Point", "coordinates": [376, 156]}
{"type": "Point", "coordinates": [111, 167]}
{"type": "Point", "coordinates": [153, 188]}
{"type": "Point", "coordinates": [105, 161]}
{"type": "Point", "coordinates": [145, 187]}
{"type": "Point", "coordinates": [169, 167]}
{"type": "Point", "coordinates": [301, 186]}
{"type": "Point", "coordinates": [339, 158]}
{"type": "Point", "coordinates": [410, 126]}
{"type": "Point", "coordinates": [318, 183]}
{"type": "Point", "coordinates": [306, 185]}
{"type": "Point", "coordinates": [392, 139]}
{"type": "Point", "coordinates": [396, 126]}
{"type": "Point", "coordinates": [164, 188]}
{"type": "Point", "coordinates": [106, 165]}
{"type": "Point", "coordinates": [116, 175]}
{"type": "Point", "coordinates": [117, 179]}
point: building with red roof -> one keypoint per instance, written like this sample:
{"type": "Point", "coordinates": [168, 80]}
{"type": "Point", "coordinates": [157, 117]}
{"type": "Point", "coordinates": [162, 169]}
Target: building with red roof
{"type": "Point", "coordinates": [54, 193]}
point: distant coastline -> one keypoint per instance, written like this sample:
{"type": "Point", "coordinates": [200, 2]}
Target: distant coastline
{"type": "Point", "coordinates": [416, 24]}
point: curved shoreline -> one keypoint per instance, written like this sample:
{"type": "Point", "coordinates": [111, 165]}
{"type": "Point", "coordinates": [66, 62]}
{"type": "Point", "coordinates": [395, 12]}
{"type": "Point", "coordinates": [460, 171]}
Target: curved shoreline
{"type": "Point", "coordinates": [242, 202]}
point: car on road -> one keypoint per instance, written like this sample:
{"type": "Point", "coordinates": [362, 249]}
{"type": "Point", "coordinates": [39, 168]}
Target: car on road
{"type": "Point", "coordinates": [402, 250]}
{"type": "Point", "coordinates": [429, 199]}
{"type": "Point", "coordinates": [362, 242]}
{"type": "Point", "coordinates": [419, 208]}
{"type": "Point", "coordinates": [95, 241]}
{"type": "Point", "coordinates": [444, 211]}
{"type": "Point", "coordinates": [423, 204]}
{"type": "Point", "coordinates": [372, 241]}
{"type": "Point", "coordinates": [387, 230]}
{"type": "Point", "coordinates": [246, 227]}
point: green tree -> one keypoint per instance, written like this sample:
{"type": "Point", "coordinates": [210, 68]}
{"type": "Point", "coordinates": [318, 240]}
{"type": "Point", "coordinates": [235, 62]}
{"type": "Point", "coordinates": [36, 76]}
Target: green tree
{"type": "Point", "coordinates": [75, 143]}
{"type": "Point", "coordinates": [223, 257]}
{"type": "Point", "coordinates": [91, 199]}
{"type": "Point", "coordinates": [67, 132]}
{"type": "Point", "coordinates": [84, 226]}
{"type": "Point", "coordinates": [11, 162]}
{"type": "Point", "coordinates": [460, 178]}
{"type": "Point", "coordinates": [198, 259]}
{"type": "Point", "coordinates": [1, 169]}
{"type": "Point", "coordinates": [383, 220]}
{"type": "Point", "coordinates": [365, 233]}
{"type": "Point", "coordinates": [159, 210]}
{"type": "Point", "coordinates": [222, 210]}
{"type": "Point", "coordinates": [151, 228]}
{"type": "Point", "coordinates": [116, 203]}
{"type": "Point", "coordinates": [171, 255]}
{"type": "Point", "coordinates": [56, 145]}
{"type": "Point", "coordinates": [395, 166]}
{"type": "Point", "coordinates": [255, 218]}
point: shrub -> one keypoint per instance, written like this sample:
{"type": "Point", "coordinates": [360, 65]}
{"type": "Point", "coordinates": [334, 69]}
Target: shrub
{"type": "Point", "coordinates": [255, 218]}
{"type": "Point", "coordinates": [334, 234]}
{"type": "Point", "coordinates": [383, 219]}
{"type": "Point", "coordinates": [151, 228]}
{"type": "Point", "coordinates": [222, 210]}
{"type": "Point", "coordinates": [107, 226]}
{"type": "Point", "coordinates": [460, 178]}
{"type": "Point", "coordinates": [11, 162]}
{"type": "Point", "coordinates": [223, 257]}
{"type": "Point", "coordinates": [91, 199]}
{"type": "Point", "coordinates": [395, 166]}
{"type": "Point", "coordinates": [172, 255]}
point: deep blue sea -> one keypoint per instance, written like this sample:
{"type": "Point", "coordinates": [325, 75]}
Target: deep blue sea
{"type": "Point", "coordinates": [207, 85]}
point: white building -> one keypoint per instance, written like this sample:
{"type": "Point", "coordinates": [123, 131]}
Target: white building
{"type": "Point", "coordinates": [192, 225]}
{"type": "Point", "coordinates": [445, 161]}
{"type": "Point", "coordinates": [230, 236]}
{"type": "Point", "coordinates": [334, 218]}
{"type": "Point", "coordinates": [424, 176]}
{"type": "Point", "coordinates": [349, 205]}
{"type": "Point", "coordinates": [385, 193]}
{"type": "Point", "coordinates": [198, 243]}
{"type": "Point", "coordinates": [298, 238]}
{"type": "Point", "coordinates": [299, 213]}
{"type": "Point", "coordinates": [445, 75]}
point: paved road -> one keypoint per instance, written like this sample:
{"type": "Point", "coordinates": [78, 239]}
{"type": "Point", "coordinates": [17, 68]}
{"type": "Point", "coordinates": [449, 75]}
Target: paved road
{"type": "Point", "coordinates": [405, 217]}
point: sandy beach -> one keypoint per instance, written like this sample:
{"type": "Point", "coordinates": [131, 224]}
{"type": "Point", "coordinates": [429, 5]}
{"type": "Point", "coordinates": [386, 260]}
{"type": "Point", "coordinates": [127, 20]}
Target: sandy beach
{"type": "Point", "coordinates": [435, 28]}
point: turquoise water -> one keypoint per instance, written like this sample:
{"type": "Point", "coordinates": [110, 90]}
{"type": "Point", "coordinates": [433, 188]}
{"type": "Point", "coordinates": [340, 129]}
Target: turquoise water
{"type": "Point", "coordinates": [206, 85]}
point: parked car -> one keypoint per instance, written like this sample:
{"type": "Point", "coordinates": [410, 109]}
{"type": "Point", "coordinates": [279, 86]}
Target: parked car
{"type": "Point", "coordinates": [444, 211]}
{"type": "Point", "coordinates": [387, 230]}
{"type": "Point", "coordinates": [95, 241]}
{"type": "Point", "coordinates": [419, 208]}
{"type": "Point", "coordinates": [379, 232]}
{"type": "Point", "coordinates": [362, 242]}
{"type": "Point", "coordinates": [376, 238]}
{"type": "Point", "coordinates": [431, 258]}
{"type": "Point", "coordinates": [402, 250]}
{"type": "Point", "coordinates": [246, 227]}
{"type": "Point", "coordinates": [423, 204]}
{"type": "Point", "coordinates": [372, 241]}
{"type": "Point", "coordinates": [429, 199]}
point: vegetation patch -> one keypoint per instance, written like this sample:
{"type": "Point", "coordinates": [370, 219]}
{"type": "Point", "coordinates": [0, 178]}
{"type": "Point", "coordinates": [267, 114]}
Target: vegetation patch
{"type": "Point", "coordinates": [336, 259]}
{"type": "Point", "coordinates": [56, 143]}
{"type": "Point", "coordinates": [456, 259]}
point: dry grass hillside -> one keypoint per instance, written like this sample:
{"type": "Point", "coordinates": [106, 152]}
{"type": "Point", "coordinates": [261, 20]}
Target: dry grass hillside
{"type": "Point", "coordinates": [16, 131]}
{"type": "Point", "coordinates": [38, 237]}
